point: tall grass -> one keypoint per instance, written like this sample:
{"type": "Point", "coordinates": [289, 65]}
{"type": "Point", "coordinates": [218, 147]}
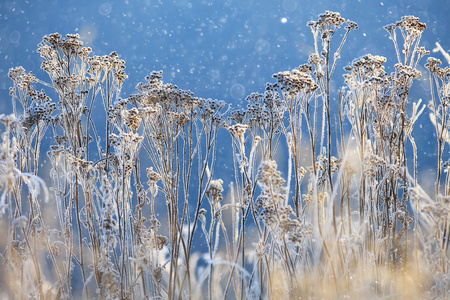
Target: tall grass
{"type": "Point", "coordinates": [130, 204]}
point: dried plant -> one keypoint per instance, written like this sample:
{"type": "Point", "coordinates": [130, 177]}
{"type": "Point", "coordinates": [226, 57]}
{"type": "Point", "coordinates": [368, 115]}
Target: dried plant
{"type": "Point", "coordinates": [343, 216]}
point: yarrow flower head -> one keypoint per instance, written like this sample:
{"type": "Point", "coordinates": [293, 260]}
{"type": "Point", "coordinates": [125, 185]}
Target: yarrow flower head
{"type": "Point", "coordinates": [214, 191]}
{"type": "Point", "coordinates": [268, 175]}
{"type": "Point", "coordinates": [214, 194]}
{"type": "Point", "coordinates": [328, 21]}
{"type": "Point", "coordinates": [295, 82]}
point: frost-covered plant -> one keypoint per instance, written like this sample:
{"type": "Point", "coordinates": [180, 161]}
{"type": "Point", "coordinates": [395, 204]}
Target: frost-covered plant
{"type": "Point", "coordinates": [309, 211]}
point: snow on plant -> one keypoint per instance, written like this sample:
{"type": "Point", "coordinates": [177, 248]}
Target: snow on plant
{"type": "Point", "coordinates": [135, 205]}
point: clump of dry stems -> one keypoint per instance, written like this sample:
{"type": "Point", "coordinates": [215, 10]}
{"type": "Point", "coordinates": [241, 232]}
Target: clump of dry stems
{"type": "Point", "coordinates": [129, 198]}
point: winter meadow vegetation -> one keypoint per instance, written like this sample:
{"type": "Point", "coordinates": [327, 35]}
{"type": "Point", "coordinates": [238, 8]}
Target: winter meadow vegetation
{"type": "Point", "coordinates": [130, 203]}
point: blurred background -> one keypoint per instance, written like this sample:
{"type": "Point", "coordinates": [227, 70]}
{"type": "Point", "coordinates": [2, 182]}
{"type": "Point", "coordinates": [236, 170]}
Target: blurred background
{"type": "Point", "coordinates": [217, 49]}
